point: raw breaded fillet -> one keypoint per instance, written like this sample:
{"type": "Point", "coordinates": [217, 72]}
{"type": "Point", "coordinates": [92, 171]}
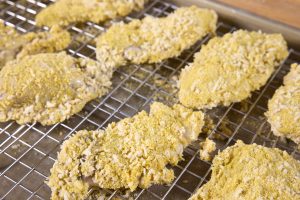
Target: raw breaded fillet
{"type": "Point", "coordinates": [50, 87]}
{"type": "Point", "coordinates": [229, 68]}
{"type": "Point", "coordinates": [14, 45]}
{"type": "Point", "coordinates": [152, 39]}
{"type": "Point", "coordinates": [64, 12]}
{"type": "Point", "coordinates": [249, 172]}
{"type": "Point", "coordinates": [128, 154]}
{"type": "Point", "coordinates": [284, 107]}
{"type": "Point", "coordinates": [66, 180]}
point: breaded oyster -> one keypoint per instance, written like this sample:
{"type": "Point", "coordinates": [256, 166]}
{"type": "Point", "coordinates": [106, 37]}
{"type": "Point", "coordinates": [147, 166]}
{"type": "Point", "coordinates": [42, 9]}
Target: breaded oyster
{"type": "Point", "coordinates": [229, 68]}
{"type": "Point", "coordinates": [50, 87]}
{"type": "Point", "coordinates": [64, 12]}
{"type": "Point", "coordinates": [284, 107]}
{"type": "Point", "coordinates": [14, 45]}
{"type": "Point", "coordinates": [128, 154]}
{"type": "Point", "coordinates": [252, 172]}
{"type": "Point", "coordinates": [152, 39]}
{"type": "Point", "coordinates": [66, 180]}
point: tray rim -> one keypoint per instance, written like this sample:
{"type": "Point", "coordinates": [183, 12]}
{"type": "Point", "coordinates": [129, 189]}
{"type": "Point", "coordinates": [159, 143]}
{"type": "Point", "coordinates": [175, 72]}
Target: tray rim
{"type": "Point", "coordinates": [247, 20]}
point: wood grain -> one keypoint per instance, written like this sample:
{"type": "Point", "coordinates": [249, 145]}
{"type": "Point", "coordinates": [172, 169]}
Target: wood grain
{"type": "Point", "coordinates": [285, 11]}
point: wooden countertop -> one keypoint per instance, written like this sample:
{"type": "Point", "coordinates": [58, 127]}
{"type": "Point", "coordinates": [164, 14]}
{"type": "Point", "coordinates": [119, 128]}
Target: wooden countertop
{"type": "Point", "coordinates": [285, 11]}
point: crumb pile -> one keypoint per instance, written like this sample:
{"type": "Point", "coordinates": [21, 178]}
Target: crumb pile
{"type": "Point", "coordinates": [252, 172]}
{"type": "Point", "coordinates": [128, 154]}
{"type": "Point", "coordinates": [64, 12]}
{"type": "Point", "coordinates": [229, 68]}
{"type": "Point", "coordinates": [284, 107]}
{"type": "Point", "coordinates": [50, 87]}
{"type": "Point", "coordinates": [152, 39]}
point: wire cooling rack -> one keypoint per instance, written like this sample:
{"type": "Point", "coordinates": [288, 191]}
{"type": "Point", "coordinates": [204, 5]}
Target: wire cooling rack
{"type": "Point", "coordinates": [27, 152]}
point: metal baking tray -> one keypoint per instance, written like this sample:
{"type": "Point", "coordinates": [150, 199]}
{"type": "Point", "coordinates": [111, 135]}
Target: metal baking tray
{"type": "Point", "coordinates": [27, 152]}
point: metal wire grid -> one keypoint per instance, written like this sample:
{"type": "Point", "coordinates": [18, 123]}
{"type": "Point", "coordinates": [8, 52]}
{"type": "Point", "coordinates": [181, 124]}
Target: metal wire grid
{"type": "Point", "coordinates": [28, 152]}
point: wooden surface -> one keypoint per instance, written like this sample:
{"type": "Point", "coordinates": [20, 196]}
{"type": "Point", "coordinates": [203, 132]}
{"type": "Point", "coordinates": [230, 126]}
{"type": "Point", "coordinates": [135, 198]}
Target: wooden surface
{"type": "Point", "coordinates": [286, 11]}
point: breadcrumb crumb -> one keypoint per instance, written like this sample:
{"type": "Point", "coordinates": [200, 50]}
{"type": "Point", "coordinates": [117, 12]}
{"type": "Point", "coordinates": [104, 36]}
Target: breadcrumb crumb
{"type": "Point", "coordinates": [206, 148]}
{"type": "Point", "coordinates": [15, 146]}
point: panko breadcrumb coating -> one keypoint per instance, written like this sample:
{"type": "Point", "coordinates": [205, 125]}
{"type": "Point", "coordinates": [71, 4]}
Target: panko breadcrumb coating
{"type": "Point", "coordinates": [128, 154]}
{"type": "Point", "coordinates": [284, 107]}
{"type": "Point", "coordinates": [64, 12]}
{"type": "Point", "coordinates": [66, 180]}
{"type": "Point", "coordinates": [14, 45]}
{"type": "Point", "coordinates": [152, 39]}
{"type": "Point", "coordinates": [229, 68]}
{"type": "Point", "coordinates": [50, 87]}
{"type": "Point", "coordinates": [252, 172]}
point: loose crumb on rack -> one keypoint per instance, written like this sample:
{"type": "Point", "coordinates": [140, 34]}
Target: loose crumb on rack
{"type": "Point", "coordinates": [206, 148]}
{"type": "Point", "coordinates": [167, 90]}
{"type": "Point", "coordinates": [225, 128]}
{"type": "Point", "coordinates": [101, 194]}
{"type": "Point", "coordinates": [15, 146]}
{"type": "Point", "coordinates": [208, 126]}
{"type": "Point", "coordinates": [245, 106]}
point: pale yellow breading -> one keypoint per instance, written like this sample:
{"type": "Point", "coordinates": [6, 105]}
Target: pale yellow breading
{"type": "Point", "coordinates": [206, 148]}
{"type": "Point", "coordinates": [248, 172]}
{"type": "Point", "coordinates": [10, 43]}
{"type": "Point", "coordinates": [66, 180]}
{"type": "Point", "coordinates": [64, 12]}
{"type": "Point", "coordinates": [55, 40]}
{"type": "Point", "coordinates": [50, 87]}
{"type": "Point", "coordinates": [128, 154]}
{"type": "Point", "coordinates": [229, 68]}
{"type": "Point", "coordinates": [152, 39]}
{"type": "Point", "coordinates": [284, 107]}
{"type": "Point", "coordinates": [14, 45]}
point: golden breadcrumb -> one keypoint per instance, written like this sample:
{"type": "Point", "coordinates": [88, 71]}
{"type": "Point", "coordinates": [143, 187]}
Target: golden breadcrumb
{"type": "Point", "coordinates": [252, 172]}
{"type": "Point", "coordinates": [229, 68]}
{"type": "Point", "coordinates": [152, 39]}
{"type": "Point", "coordinates": [64, 12]}
{"type": "Point", "coordinates": [284, 107]}
{"type": "Point", "coordinates": [14, 45]}
{"type": "Point", "coordinates": [128, 154]}
{"type": "Point", "coordinates": [206, 148]}
{"type": "Point", "coordinates": [49, 88]}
